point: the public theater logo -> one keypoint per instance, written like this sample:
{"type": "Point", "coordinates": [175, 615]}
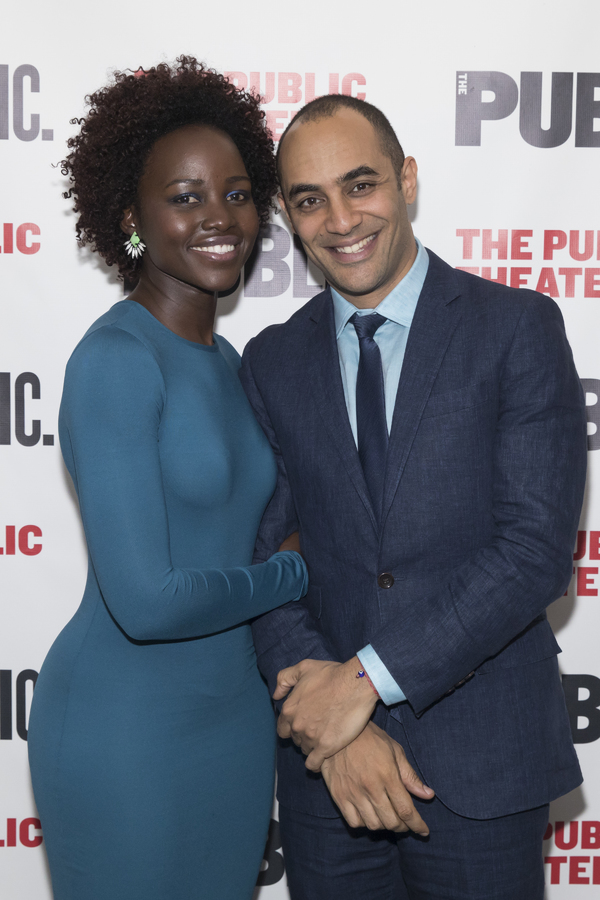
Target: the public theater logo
{"type": "Point", "coordinates": [16, 411]}
{"type": "Point", "coordinates": [562, 263]}
{"type": "Point", "coordinates": [277, 263]}
{"type": "Point", "coordinates": [582, 691]}
{"type": "Point", "coordinates": [24, 540]}
{"type": "Point", "coordinates": [591, 386]}
{"type": "Point", "coordinates": [25, 832]}
{"type": "Point", "coordinates": [273, 866]}
{"type": "Point", "coordinates": [19, 238]}
{"type": "Point", "coordinates": [577, 839]}
{"type": "Point", "coordinates": [490, 96]}
{"type": "Point", "coordinates": [280, 91]}
{"type": "Point", "coordinates": [15, 700]}
{"type": "Point", "coordinates": [15, 88]}
{"type": "Point", "coordinates": [586, 551]}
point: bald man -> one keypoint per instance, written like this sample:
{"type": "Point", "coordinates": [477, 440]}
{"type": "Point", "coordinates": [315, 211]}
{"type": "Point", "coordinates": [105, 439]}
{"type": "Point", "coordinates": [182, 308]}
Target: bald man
{"type": "Point", "coordinates": [429, 429]}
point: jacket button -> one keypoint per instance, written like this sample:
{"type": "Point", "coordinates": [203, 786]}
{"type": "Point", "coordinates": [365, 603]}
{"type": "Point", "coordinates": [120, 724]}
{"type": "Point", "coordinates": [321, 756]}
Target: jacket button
{"type": "Point", "coordinates": [385, 580]}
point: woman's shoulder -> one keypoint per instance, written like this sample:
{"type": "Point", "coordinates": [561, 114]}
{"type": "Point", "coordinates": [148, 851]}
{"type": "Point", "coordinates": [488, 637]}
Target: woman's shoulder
{"type": "Point", "coordinates": [113, 343]}
{"type": "Point", "coordinates": [118, 317]}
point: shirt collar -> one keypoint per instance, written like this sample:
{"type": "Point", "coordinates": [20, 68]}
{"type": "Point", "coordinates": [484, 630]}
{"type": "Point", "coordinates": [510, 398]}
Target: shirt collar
{"type": "Point", "coordinates": [400, 303]}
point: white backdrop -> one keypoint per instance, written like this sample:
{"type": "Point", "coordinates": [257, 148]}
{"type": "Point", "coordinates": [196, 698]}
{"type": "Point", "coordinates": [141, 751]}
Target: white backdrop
{"type": "Point", "coordinates": [508, 187]}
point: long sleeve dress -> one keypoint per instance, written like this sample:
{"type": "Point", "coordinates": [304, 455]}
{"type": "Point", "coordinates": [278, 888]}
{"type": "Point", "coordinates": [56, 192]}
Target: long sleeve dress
{"type": "Point", "coordinates": [151, 735]}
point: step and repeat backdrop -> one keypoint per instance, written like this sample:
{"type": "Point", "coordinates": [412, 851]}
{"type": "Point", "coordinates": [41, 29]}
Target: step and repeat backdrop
{"type": "Point", "coordinates": [500, 105]}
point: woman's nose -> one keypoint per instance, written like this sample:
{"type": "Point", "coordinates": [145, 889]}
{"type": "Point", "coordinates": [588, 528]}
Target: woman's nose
{"type": "Point", "coordinates": [217, 214]}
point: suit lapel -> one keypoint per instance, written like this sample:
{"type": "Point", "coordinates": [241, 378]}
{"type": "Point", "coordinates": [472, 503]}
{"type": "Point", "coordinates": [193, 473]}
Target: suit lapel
{"type": "Point", "coordinates": [434, 322]}
{"type": "Point", "coordinates": [328, 391]}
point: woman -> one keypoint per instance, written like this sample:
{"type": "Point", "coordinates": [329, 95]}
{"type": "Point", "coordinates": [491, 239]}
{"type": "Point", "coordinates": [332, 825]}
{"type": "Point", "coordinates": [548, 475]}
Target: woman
{"type": "Point", "coordinates": [151, 732]}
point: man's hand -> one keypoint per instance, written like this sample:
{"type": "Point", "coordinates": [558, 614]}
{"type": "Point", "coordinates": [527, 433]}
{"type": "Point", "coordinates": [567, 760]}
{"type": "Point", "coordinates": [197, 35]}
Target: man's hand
{"type": "Point", "coordinates": [371, 780]}
{"type": "Point", "coordinates": [327, 709]}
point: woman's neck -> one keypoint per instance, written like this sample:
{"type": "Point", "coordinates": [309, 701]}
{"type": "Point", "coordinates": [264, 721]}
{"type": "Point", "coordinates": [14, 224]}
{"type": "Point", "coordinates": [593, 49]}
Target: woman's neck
{"type": "Point", "coordinates": [186, 310]}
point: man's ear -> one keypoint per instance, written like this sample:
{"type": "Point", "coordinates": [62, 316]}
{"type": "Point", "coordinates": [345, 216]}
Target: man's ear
{"type": "Point", "coordinates": [409, 179]}
{"type": "Point", "coordinates": [128, 220]}
{"type": "Point", "coordinates": [284, 210]}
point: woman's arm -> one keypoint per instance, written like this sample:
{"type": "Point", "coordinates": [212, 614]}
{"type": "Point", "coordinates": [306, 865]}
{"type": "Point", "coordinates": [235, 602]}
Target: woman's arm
{"type": "Point", "coordinates": [110, 419]}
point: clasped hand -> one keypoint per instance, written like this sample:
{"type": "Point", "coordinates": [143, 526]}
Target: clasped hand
{"type": "Point", "coordinates": [368, 776]}
{"type": "Point", "coordinates": [328, 707]}
{"type": "Point", "coordinates": [371, 781]}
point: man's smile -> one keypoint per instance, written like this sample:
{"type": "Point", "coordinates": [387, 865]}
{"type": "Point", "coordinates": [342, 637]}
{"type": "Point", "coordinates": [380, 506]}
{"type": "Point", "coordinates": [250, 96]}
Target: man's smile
{"type": "Point", "coordinates": [356, 251]}
{"type": "Point", "coordinates": [354, 248]}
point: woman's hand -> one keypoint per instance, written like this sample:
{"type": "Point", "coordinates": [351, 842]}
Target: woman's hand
{"type": "Point", "coordinates": [291, 543]}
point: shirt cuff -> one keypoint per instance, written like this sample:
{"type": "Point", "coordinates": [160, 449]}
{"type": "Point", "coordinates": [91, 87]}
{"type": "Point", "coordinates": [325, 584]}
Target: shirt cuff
{"type": "Point", "coordinates": [384, 684]}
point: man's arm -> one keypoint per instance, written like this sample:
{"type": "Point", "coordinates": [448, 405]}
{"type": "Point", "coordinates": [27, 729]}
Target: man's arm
{"type": "Point", "coordinates": [290, 634]}
{"type": "Point", "coordinates": [540, 455]}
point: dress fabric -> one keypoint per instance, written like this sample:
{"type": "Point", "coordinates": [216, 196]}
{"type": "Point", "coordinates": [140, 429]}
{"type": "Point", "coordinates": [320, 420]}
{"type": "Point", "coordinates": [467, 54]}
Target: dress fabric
{"type": "Point", "coordinates": [151, 735]}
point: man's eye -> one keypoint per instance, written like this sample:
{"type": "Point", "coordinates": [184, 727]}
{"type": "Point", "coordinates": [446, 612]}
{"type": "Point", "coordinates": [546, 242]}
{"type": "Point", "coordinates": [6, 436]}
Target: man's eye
{"type": "Point", "coordinates": [308, 202]}
{"type": "Point", "coordinates": [362, 186]}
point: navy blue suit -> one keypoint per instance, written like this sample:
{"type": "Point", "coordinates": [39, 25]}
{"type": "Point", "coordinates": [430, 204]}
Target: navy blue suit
{"type": "Point", "coordinates": [483, 490]}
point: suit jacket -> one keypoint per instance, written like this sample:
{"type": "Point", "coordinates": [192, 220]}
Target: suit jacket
{"type": "Point", "coordinates": [483, 491]}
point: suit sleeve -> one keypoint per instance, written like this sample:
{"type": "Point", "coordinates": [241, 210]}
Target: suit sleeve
{"type": "Point", "coordinates": [289, 634]}
{"type": "Point", "coordinates": [110, 419]}
{"type": "Point", "coordinates": [539, 476]}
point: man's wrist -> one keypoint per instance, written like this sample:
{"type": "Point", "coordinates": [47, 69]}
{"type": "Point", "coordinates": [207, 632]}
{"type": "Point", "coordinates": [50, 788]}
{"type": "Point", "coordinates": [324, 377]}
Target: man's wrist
{"type": "Point", "coordinates": [363, 688]}
{"type": "Point", "coordinates": [362, 673]}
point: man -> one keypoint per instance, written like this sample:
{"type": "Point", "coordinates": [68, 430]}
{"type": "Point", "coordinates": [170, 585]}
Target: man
{"type": "Point", "coordinates": [432, 457]}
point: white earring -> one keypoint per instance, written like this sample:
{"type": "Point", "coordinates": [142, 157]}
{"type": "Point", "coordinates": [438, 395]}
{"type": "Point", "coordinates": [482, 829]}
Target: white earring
{"type": "Point", "coordinates": [134, 245]}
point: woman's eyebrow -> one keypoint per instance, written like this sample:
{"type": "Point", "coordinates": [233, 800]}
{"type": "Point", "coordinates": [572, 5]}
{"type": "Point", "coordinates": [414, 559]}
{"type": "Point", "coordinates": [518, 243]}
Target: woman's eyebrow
{"type": "Point", "coordinates": [231, 179]}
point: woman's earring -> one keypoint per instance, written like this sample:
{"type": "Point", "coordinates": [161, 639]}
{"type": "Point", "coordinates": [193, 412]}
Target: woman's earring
{"type": "Point", "coordinates": [134, 245]}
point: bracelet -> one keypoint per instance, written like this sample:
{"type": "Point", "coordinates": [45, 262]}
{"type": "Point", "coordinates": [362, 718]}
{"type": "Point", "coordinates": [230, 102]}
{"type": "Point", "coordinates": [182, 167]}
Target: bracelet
{"type": "Point", "coordinates": [362, 674]}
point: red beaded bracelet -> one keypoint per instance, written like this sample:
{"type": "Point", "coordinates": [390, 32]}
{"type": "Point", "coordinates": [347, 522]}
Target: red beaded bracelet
{"type": "Point", "coordinates": [362, 674]}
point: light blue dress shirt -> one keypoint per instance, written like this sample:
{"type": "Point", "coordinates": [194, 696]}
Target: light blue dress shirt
{"type": "Point", "coordinates": [398, 308]}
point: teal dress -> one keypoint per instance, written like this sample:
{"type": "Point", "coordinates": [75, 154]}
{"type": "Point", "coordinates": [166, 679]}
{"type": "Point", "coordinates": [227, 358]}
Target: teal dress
{"type": "Point", "coordinates": [151, 736]}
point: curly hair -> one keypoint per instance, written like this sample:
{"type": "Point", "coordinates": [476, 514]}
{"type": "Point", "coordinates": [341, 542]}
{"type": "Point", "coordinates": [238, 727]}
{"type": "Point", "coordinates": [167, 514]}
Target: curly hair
{"type": "Point", "coordinates": [125, 120]}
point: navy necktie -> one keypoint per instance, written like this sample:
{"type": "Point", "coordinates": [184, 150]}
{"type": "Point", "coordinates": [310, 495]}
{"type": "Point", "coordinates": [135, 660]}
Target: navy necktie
{"type": "Point", "coordinates": [370, 407]}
